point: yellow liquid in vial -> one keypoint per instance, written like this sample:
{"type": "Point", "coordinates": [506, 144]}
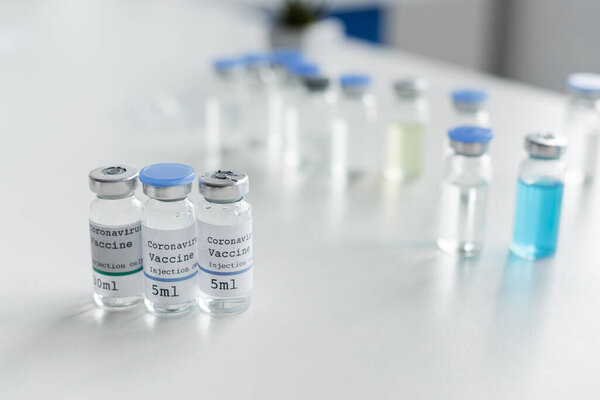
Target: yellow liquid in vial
{"type": "Point", "coordinates": [404, 150]}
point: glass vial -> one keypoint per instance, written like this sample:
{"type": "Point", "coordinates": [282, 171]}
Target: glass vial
{"type": "Point", "coordinates": [225, 243]}
{"type": "Point", "coordinates": [406, 130]}
{"type": "Point", "coordinates": [309, 127]}
{"type": "Point", "coordinates": [115, 233]}
{"type": "Point", "coordinates": [223, 109]}
{"type": "Point", "coordinates": [467, 175]}
{"type": "Point", "coordinates": [469, 107]}
{"type": "Point", "coordinates": [582, 127]}
{"type": "Point", "coordinates": [539, 197]}
{"type": "Point", "coordinates": [169, 240]}
{"type": "Point", "coordinates": [357, 142]}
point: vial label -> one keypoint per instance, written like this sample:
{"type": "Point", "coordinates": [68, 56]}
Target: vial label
{"type": "Point", "coordinates": [170, 258]}
{"type": "Point", "coordinates": [117, 259]}
{"type": "Point", "coordinates": [225, 259]}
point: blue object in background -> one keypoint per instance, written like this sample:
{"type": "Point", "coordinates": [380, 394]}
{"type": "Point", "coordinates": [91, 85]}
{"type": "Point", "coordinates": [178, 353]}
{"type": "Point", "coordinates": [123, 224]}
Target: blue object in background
{"type": "Point", "coordinates": [355, 80]}
{"type": "Point", "coordinates": [537, 218]}
{"type": "Point", "coordinates": [364, 23]}
{"type": "Point", "coordinates": [469, 96]}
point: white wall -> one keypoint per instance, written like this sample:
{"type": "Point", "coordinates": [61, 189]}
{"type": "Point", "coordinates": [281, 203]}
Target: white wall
{"type": "Point", "coordinates": [548, 39]}
{"type": "Point", "coordinates": [457, 31]}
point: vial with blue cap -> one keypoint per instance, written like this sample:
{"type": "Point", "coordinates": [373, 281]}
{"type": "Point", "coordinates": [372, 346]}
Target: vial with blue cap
{"type": "Point", "coordinates": [357, 146]}
{"type": "Point", "coordinates": [223, 107]}
{"type": "Point", "coordinates": [470, 107]}
{"type": "Point", "coordinates": [169, 240]}
{"type": "Point", "coordinates": [224, 242]}
{"type": "Point", "coordinates": [539, 197]}
{"type": "Point", "coordinates": [582, 126]}
{"type": "Point", "coordinates": [407, 124]}
{"type": "Point", "coordinates": [467, 176]}
{"type": "Point", "coordinates": [309, 127]}
{"type": "Point", "coordinates": [115, 233]}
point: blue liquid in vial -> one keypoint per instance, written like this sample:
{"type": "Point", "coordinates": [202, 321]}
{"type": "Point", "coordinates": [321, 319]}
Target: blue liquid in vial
{"type": "Point", "coordinates": [537, 218]}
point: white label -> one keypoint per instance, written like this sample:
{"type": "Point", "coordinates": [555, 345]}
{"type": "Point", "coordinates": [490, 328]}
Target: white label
{"type": "Point", "coordinates": [170, 258]}
{"type": "Point", "coordinates": [117, 259]}
{"type": "Point", "coordinates": [225, 259]}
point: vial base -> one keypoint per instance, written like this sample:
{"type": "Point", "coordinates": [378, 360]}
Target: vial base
{"type": "Point", "coordinates": [229, 306]}
{"type": "Point", "coordinates": [167, 310]}
{"type": "Point", "coordinates": [529, 252]}
{"type": "Point", "coordinates": [459, 248]}
{"type": "Point", "coordinates": [116, 303]}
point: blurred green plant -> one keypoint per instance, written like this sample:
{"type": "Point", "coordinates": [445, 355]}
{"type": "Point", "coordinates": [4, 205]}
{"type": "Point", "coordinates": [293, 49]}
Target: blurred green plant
{"type": "Point", "coordinates": [298, 14]}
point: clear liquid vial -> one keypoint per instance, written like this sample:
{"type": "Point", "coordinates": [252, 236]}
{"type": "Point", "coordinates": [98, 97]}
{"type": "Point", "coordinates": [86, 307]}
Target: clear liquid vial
{"type": "Point", "coordinates": [407, 126]}
{"type": "Point", "coordinates": [467, 175]}
{"type": "Point", "coordinates": [224, 243]}
{"type": "Point", "coordinates": [582, 127]}
{"type": "Point", "coordinates": [470, 107]}
{"type": "Point", "coordinates": [539, 197]}
{"type": "Point", "coordinates": [309, 127]}
{"type": "Point", "coordinates": [169, 241]}
{"type": "Point", "coordinates": [115, 233]}
{"type": "Point", "coordinates": [223, 108]}
{"type": "Point", "coordinates": [357, 142]}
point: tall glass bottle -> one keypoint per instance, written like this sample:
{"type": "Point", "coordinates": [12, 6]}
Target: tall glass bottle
{"type": "Point", "coordinates": [467, 175]}
{"type": "Point", "coordinates": [224, 243]}
{"type": "Point", "coordinates": [169, 241]}
{"type": "Point", "coordinates": [539, 197]}
{"type": "Point", "coordinates": [582, 126]}
{"type": "Point", "coordinates": [357, 146]}
{"type": "Point", "coordinates": [223, 108]}
{"type": "Point", "coordinates": [309, 127]}
{"type": "Point", "coordinates": [115, 231]}
{"type": "Point", "coordinates": [406, 130]}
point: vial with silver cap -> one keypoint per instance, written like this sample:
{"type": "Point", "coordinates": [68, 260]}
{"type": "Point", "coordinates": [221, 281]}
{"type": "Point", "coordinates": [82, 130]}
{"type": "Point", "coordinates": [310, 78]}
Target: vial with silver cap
{"type": "Point", "coordinates": [407, 125]}
{"type": "Point", "coordinates": [357, 146]}
{"type": "Point", "coordinates": [539, 197]}
{"type": "Point", "coordinates": [169, 242]}
{"type": "Point", "coordinates": [224, 243]}
{"type": "Point", "coordinates": [467, 175]}
{"type": "Point", "coordinates": [115, 231]}
{"type": "Point", "coordinates": [582, 126]}
{"type": "Point", "coordinates": [309, 127]}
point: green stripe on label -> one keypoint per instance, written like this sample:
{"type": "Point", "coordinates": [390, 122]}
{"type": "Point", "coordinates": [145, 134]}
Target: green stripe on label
{"type": "Point", "coordinates": [118, 273]}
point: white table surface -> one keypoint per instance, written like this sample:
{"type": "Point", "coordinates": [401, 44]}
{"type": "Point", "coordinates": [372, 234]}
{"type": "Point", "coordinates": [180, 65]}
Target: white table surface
{"type": "Point", "coordinates": [352, 300]}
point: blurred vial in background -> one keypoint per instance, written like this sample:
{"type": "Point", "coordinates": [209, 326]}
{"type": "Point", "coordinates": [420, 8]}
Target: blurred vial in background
{"type": "Point", "coordinates": [223, 124]}
{"type": "Point", "coordinates": [582, 126]}
{"type": "Point", "coordinates": [467, 175]}
{"type": "Point", "coordinates": [539, 197]}
{"type": "Point", "coordinates": [309, 126]}
{"type": "Point", "coordinates": [469, 107]}
{"type": "Point", "coordinates": [407, 125]}
{"type": "Point", "coordinates": [259, 79]}
{"type": "Point", "coordinates": [357, 146]}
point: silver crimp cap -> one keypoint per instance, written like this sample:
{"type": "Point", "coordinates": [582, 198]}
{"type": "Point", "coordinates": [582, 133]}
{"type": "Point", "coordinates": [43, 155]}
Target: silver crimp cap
{"type": "Point", "coordinates": [223, 186]}
{"type": "Point", "coordinates": [545, 145]}
{"type": "Point", "coordinates": [469, 149]}
{"type": "Point", "coordinates": [113, 181]}
{"type": "Point", "coordinates": [410, 87]}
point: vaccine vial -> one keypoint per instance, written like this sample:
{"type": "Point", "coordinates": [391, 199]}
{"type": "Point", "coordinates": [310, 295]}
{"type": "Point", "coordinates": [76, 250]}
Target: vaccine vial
{"type": "Point", "coordinates": [169, 242]}
{"type": "Point", "coordinates": [406, 130]}
{"type": "Point", "coordinates": [258, 78]}
{"type": "Point", "coordinates": [115, 233]}
{"type": "Point", "coordinates": [582, 127]}
{"type": "Point", "coordinates": [309, 127]}
{"type": "Point", "coordinates": [467, 175]}
{"type": "Point", "coordinates": [470, 107]}
{"type": "Point", "coordinates": [223, 108]}
{"type": "Point", "coordinates": [539, 197]}
{"type": "Point", "coordinates": [225, 243]}
{"type": "Point", "coordinates": [357, 142]}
